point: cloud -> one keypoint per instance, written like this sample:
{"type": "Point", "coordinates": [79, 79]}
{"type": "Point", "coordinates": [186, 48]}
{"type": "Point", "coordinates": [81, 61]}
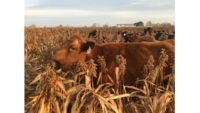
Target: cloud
{"type": "Point", "coordinates": [57, 13]}
{"type": "Point", "coordinates": [93, 11]}
{"type": "Point", "coordinates": [102, 4]}
{"type": "Point", "coordinates": [80, 13]}
{"type": "Point", "coordinates": [101, 17]}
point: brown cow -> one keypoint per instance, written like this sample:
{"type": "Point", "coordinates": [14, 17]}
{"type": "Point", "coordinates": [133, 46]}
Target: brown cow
{"type": "Point", "coordinates": [136, 54]}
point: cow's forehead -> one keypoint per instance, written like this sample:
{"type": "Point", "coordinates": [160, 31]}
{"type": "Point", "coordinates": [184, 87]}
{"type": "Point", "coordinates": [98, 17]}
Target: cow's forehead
{"type": "Point", "coordinates": [74, 41]}
{"type": "Point", "coordinates": [77, 38]}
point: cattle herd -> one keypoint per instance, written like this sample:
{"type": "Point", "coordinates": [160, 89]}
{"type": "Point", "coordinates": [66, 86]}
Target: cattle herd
{"type": "Point", "coordinates": [103, 69]}
{"type": "Point", "coordinates": [148, 34]}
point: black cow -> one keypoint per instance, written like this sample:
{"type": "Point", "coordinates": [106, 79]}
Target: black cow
{"type": "Point", "coordinates": [158, 35]}
{"type": "Point", "coordinates": [148, 30]}
{"type": "Point", "coordinates": [92, 34]}
{"type": "Point", "coordinates": [171, 35]}
{"type": "Point", "coordinates": [128, 37]}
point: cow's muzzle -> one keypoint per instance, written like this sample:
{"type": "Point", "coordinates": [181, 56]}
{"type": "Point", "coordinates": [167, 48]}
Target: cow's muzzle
{"type": "Point", "coordinates": [57, 66]}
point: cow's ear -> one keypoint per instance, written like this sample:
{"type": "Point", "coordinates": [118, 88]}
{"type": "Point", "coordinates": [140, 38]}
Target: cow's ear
{"type": "Point", "coordinates": [88, 45]}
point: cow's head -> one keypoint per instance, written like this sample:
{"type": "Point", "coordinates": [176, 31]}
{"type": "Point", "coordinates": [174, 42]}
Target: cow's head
{"type": "Point", "coordinates": [72, 51]}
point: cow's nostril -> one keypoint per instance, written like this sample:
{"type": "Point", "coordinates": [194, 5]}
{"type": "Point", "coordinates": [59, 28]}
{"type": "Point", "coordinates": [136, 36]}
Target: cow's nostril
{"type": "Point", "coordinates": [53, 64]}
{"type": "Point", "coordinates": [56, 65]}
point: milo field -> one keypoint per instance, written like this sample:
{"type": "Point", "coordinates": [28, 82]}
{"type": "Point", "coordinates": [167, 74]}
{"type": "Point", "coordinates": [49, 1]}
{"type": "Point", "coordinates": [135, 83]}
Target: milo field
{"type": "Point", "coordinates": [82, 89]}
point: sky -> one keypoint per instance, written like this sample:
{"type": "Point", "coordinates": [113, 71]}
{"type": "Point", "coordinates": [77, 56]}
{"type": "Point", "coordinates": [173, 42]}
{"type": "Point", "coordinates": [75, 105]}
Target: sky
{"type": "Point", "coordinates": [87, 12]}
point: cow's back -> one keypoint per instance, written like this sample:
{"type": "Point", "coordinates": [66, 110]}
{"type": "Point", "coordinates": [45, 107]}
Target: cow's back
{"type": "Point", "coordinates": [136, 55]}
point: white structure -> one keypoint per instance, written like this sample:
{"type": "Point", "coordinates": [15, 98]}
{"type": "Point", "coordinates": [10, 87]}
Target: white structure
{"type": "Point", "coordinates": [125, 25]}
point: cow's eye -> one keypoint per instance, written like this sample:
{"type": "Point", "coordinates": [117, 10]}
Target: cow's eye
{"type": "Point", "coordinates": [71, 49]}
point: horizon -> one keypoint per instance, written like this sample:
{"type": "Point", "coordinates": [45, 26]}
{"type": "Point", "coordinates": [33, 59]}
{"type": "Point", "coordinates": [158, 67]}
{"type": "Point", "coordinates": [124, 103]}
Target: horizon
{"type": "Point", "coordinates": [97, 25]}
{"type": "Point", "coordinates": [113, 12]}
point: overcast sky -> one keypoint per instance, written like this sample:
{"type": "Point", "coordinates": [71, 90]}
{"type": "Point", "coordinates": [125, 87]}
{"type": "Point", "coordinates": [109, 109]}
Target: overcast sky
{"type": "Point", "coordinates": [87, 12]}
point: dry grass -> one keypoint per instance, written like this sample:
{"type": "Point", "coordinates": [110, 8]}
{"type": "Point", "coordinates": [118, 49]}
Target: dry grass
{"type": "Point", "coordinates": [48, 91]}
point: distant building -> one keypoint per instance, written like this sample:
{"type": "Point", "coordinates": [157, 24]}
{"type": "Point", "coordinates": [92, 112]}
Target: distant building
{"type": "Point", "coordinates": [137, 24]}
{"type": "Point", "coordinates": [125, 25]}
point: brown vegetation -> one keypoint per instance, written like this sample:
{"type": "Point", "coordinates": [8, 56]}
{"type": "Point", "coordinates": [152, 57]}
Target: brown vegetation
{"type": "Point", "coordinates": [49, 91]}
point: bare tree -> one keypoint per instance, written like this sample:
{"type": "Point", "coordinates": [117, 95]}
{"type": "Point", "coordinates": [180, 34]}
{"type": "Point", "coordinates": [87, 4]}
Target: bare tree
{"type": "Point", "coordinates": [149, 24]}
